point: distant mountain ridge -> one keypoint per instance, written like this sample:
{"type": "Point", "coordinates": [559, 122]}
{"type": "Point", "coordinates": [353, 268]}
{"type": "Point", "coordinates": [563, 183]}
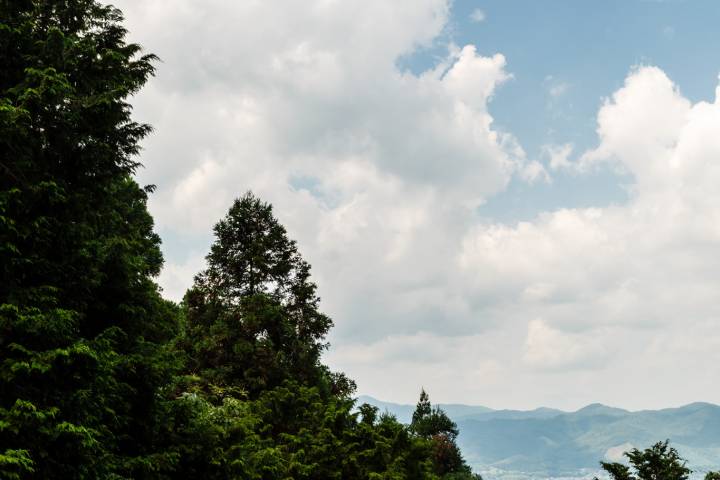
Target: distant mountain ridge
{"type": "Point", "coordinates": [547, 442]}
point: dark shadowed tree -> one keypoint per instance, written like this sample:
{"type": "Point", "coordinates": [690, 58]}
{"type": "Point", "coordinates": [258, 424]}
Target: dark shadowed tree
{"type": "Point", "coordinates": [102, 378]}
{"type": "Point", "coordinates": [253, 316]}
{"type": "Point", "coordinates": [81, 320]}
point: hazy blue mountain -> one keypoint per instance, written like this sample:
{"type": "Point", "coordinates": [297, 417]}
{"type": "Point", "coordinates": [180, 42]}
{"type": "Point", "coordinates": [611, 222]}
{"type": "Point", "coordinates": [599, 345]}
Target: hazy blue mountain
{"type": "Point", "coordinates": [547, 442]}
{"type": "Point", "coordinates": [404, 412]}
{"type": "Point", "coordinates": [490, 414]}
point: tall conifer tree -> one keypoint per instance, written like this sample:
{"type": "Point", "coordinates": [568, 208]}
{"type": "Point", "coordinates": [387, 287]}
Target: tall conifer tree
{"type": "Point", "coordinates": [253, 316]}
{"type": "Point", "coordinates": [89, 351]}
{"type": "Point", "coordinates": [80, 316]}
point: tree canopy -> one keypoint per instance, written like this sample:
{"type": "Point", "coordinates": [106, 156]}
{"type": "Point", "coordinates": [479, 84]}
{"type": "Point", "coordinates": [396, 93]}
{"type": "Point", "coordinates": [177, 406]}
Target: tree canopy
{"type": "Point", "coordinates": [252, 316]}
{"type": "Point", "coordinates": [100, 377]}
{"type": "Point", "coordinates": [82, 324]}
{"type": "Point", "coordinates": [103, 378]}
{"type": "Point", "coordinates": [660, 461]}
{"type": "Point", "coordinates": [252, 339]}
{"type": "Point", "coordinates": [433, 424]}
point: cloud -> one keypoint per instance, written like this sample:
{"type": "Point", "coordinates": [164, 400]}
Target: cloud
{"type": "Point", "coordinates": [378, 172]}
{"type": "Point", "coordinates": [550, 348]}
{"type": "Point", "coordinates": [174, 276]}
{"type": "Point", "coordinates": [470, 361]}
{"type": "Point", "coordinates": [558, 89]}
{"type": "Point", "coordinates": [558, 156]}
{"type": "Point", "coordinates": [392, 156]}
{"type": "Point", "coordinates": [639, 277]}
{"type": "Point", "coordinates": [534, 171]}
{"type": "Point", "coordinates": [640, 126]}
{"type": "Point", "coordinates": [477, 16]}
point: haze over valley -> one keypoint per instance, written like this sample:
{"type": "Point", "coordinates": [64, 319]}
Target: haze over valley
{"type": "Point", "coordinates": [546, 442]}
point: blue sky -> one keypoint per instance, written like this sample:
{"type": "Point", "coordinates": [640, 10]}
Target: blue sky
{"type": "Point", "coordinates": [588, 46]}
{"type": "Point", "coordinates": [580, 51]}
{"type": "Point", "coordinates": [491, 194]}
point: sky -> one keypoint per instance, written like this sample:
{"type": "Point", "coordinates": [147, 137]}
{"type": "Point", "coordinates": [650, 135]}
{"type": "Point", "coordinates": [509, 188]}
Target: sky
{"type": "Point", "coordinates": [509, 203]}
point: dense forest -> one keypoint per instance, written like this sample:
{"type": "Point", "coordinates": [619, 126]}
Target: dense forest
{"type": "Point", "coordinates": [103, 378]}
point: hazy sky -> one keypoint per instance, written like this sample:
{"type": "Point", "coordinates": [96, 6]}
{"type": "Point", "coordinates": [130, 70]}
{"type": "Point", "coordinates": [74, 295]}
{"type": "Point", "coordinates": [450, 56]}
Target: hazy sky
{"type": "Point", "coordinates": [510, 203]}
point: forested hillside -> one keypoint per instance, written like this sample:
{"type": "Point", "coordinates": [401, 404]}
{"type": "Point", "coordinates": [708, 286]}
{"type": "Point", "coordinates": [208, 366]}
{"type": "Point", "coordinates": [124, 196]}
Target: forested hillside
{"type": "Point", "coordinates": [551, 443]}
{"type": "Point", "coordinates": [103, 378]}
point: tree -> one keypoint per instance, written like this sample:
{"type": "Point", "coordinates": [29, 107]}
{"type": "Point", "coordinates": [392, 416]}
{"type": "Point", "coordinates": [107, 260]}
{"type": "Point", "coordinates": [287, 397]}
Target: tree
{"type": "Point", "coordinates": [253, 340]}
{"type": "Point", "coordinates": [252, 316]}
{"type": "Point", "coordinates": [423, 409]}
{"type": "Point", "coordinates": [659, 461]}
{"type": "Point", "coordinates": [434, 425]}
{"type": "Point", "coordinates": [99, 376]}
{"type": "Point", "coordinates": [82, 323]}
{"type": "Point", "coordinates": [429, 421]}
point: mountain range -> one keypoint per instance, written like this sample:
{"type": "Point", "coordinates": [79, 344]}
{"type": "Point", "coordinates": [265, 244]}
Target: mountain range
{"type": "Point", "coordinates": [546, 442]}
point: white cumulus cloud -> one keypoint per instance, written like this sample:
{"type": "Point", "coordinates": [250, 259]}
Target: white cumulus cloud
{"type": "Point", "coordinates": [378, 171]}
{"type": "Point", "coordinates": [637, 279]}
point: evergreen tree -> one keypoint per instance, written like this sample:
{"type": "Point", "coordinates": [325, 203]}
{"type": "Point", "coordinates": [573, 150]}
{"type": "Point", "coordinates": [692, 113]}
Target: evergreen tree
{"type": "Point", "coordinates": [81, 320]}
{"type": "Point", "coordinates": [433, 424]}
{"type": "Point", "coordinates": [660, 461]}
{"type": "Point", "coordinates": [253, 340]}
{"type": "Point", "coordinates": [252, 315]}
{"type": "Point", "coordinates": [97, 380]}
{"type": "Point", "coordinates": [423, 409]}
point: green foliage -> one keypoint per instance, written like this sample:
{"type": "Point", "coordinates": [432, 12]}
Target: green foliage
{"type": "Point", "coordinates": [102, 378]}
{"type": "Point", "coordinates": [252, 317]}
{"type": "Point", "coordinates": [16, 464]}
{"type": "Point", "coordinates": [658, 461]}
{"type": "Point", "coordinates": [82, 325]}
{"type": "Point", "coordinates": [423, 409]}
{"type": "Point", "coordinates": [253, 339]}
{"type": "Point", "coordinates": [434, 425]}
